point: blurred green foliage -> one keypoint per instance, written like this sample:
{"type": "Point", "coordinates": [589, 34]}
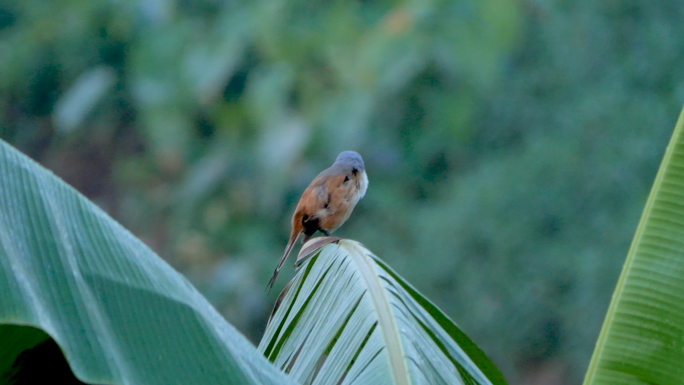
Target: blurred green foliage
{"type": "Point", "coordinates": [510, 145]}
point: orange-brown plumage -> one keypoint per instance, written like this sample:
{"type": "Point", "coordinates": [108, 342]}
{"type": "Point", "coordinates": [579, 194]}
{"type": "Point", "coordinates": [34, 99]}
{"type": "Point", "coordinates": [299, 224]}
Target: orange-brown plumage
{"type": "Point", "coordinates": [328, 201]}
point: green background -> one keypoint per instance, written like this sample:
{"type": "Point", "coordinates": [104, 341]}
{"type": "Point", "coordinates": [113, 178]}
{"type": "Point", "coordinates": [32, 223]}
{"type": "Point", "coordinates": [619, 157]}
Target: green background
{"type": "Point", "coordinates": [510, 145]}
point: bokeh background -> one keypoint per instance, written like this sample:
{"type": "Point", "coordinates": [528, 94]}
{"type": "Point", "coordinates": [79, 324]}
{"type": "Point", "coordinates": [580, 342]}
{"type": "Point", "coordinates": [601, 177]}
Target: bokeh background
{"type": "Point", "coordinates": [510, 144]}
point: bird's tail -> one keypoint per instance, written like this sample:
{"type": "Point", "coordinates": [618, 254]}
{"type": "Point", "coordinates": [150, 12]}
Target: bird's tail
{"type": "Point", "coordinates": [288, 250]}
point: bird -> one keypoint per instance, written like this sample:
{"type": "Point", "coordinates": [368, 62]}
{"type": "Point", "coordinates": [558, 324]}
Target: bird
{"type": "Point", "coordinates": [328, 201]}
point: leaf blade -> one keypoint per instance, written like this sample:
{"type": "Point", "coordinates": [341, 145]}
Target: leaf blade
{"type": "Point", "coordinates": [356, 348]}
{"type": "Point", "coordinates": [119, 313]}
{"type": "Point", "coordinates": [642, 338]}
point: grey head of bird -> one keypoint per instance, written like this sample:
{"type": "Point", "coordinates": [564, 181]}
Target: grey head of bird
{"type": "Point", "coordinates": [350, 160]}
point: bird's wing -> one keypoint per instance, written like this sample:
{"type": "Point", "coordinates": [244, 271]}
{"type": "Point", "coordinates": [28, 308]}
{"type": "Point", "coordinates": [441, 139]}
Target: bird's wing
{"type": "Point", "coordinates": [314, 198]}
{"type": "Point", "coordinates": [340, 189]}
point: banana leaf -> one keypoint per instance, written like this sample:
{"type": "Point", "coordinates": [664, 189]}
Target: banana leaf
{"type": "Point", "coordinates": [642, 338]}
{"type": "Point", "coordinates": [119, 313]}
{"type": "Point", "coordinates": [347, 318]}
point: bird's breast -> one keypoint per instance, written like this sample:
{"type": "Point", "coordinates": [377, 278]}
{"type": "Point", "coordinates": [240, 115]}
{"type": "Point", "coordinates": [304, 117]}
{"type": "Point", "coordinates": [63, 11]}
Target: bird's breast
{"type": "Point", "coordinates": [360, 187]}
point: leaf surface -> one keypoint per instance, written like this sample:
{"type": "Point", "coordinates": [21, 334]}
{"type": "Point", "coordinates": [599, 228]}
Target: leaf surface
{"type": "Point", "coordinates": [642, 338]}
{"type": "Point", "coordinates": [348, 318]}
{"type": "Point", "coordinates": [119, 313]}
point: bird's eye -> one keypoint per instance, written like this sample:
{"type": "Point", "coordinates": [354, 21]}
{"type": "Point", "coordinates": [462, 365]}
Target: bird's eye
{"type": "Point", "coordinates": [354, 170]}
{"type": "Point", "coordinates": [346, 178]}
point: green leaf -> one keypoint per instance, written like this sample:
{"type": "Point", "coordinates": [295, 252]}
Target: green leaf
{"type": "Point", "coordinates": [642, 339]}
{"type": "Point", "coordinates": [118, 312]}
{"type": "Point", "coordinates": [348, 318]}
